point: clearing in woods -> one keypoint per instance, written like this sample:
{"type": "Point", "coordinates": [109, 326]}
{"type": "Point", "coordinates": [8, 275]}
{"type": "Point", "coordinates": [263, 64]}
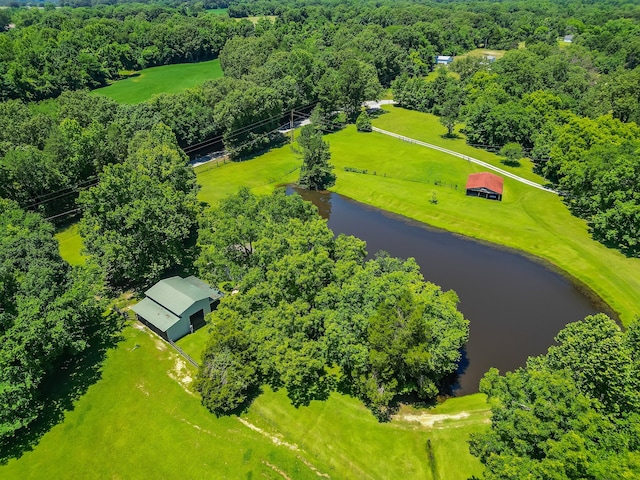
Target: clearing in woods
{"type": "Point", "coordinates": [142, 85]}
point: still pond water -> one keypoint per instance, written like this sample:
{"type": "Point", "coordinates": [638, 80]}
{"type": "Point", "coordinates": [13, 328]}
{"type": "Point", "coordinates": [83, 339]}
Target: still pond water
{"type": "Point", "coordinates": [515, 306]}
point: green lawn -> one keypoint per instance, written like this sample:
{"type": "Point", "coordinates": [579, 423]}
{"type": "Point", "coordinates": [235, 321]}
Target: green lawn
{"type": "Point", "coordinates": [70, 244]}
{"type": "Point", "coordinates": [427, 128]}
{"type": "Point", "coordinates": [278, 166]}
{"type": "Point", "coordinates": [141, 420]}
{"type": "Point", "coordinates": [166, 79]}
{"type": "Point", "coordinates": [528, 219]}
{"type": "Point", "coordinates": [256, 19]}
{"type": "Point", "coordinates": [217, 11]}
{"type": "Point", "coordinates": [483, 52]}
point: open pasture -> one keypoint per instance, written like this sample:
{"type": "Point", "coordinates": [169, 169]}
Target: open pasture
{"type": "Point", "coordinates": [142, 85]}
{"type": "Point", "coordinates": [141, 420]}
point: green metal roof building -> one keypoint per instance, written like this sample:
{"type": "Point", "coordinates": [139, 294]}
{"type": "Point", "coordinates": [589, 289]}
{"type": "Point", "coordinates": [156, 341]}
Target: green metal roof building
{"type": "Point", "coordinates": [176, 306]}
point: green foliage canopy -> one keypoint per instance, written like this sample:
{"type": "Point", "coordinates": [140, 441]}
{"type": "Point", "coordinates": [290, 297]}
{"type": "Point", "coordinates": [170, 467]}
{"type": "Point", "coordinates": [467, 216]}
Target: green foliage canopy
{"type": "Point", "coordinates": [310, 314]}
{"type": "Point", "coordinates": [316, 173]}
{"type": "Point", "coordinates": [48, 313]}
{"type": "Point", "coordinates": [140, 219]}
{"type": "Point", "coordinates": [572, 413]}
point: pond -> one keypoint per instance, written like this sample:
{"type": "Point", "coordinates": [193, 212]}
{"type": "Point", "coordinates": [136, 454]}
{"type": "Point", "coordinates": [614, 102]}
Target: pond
{"type": "Point", "coordinates": [515, 305]}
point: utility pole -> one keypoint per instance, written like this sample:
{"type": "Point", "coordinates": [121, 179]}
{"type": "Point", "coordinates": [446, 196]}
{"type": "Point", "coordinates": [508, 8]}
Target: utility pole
{"type": "Point", "coordinates": [291, 125]}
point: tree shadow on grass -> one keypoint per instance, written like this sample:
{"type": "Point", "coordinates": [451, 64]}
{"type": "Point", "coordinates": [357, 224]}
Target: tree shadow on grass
{"type": "Point", "coordinates": [453, 136]}
{"type": "Point", "coordinates": [511, 163]}
{"type": "Point", "coordinates": [253, 393]}
{"type": "Point", "coordinates": [67, 382]}
{"type": "Point", "coordinates": [376, 112]}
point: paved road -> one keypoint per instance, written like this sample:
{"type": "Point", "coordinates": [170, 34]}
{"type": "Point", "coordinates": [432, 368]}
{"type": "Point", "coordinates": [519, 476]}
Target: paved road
{"type": "Point", "coordinates": [466, 157]}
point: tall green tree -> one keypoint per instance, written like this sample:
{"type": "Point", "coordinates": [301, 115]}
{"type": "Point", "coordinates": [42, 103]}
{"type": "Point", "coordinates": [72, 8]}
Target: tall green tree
{"type": "Point", "coordinates": [316, 173]}
{"type": "Point", "coordinates": [512, 153]}
{"type": "Point", "coordinates": [48, 313]}
{"type": "Point", "coordinates": [450, 108]}
{"type": "Point", "coordinates": [307, 305]}
{"type": "Point", "coordinates": [140, 220]}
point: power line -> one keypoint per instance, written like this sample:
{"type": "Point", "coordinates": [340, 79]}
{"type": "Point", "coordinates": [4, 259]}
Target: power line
{"type": "Point", "coordinates": [76, 190]}
{"type": "Point", "coordinates": [42, 198]}
{"type": "Point", "coordinates": [64, 213]}
{"type": "Point", "coordinates": [206, 143]}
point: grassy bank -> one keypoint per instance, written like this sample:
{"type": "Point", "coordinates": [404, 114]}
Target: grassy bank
{"type": "Point", "coordinates": [142, 420]}
{"type": "Point", "coordinates": [403, 177]}
{"type": "Point", "coordinates": [70, 244]}
{"type": "Point", "coordinates": [166, 79]}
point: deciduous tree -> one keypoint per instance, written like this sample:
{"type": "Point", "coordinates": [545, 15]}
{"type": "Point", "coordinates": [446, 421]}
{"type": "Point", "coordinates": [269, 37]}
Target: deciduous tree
{"type": "Point", "coordinates": [140, 220]}
{"type": "Point", "coordinates": [573, 413]}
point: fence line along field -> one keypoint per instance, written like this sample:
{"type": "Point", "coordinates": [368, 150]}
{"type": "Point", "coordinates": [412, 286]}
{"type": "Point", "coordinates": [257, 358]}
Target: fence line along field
{"type": "Point", "coordinates": [142, 85]}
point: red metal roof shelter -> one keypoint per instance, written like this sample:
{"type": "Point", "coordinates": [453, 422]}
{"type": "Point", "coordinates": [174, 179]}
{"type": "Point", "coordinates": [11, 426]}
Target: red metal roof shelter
{"type": "Point", "coordinates": [486, 185]}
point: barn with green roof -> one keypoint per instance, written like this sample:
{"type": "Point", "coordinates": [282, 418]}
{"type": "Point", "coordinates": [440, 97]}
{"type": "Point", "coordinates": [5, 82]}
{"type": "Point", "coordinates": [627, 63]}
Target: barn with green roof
{"type": "Point", "coordinates": [176, 306]}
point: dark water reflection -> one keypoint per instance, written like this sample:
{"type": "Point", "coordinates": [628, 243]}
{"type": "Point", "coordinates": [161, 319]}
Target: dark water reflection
{"type": "Point", "coordinates": [515, 306]}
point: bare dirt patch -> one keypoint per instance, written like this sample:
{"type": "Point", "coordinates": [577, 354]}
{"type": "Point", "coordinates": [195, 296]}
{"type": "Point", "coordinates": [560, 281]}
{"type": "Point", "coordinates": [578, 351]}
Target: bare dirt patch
{"type": "Point", "coordinates": [142, 388]}
{"type": "Point", "coordinates": [276, 469]}
{"type": "Point", "coordinates": [181, 374]}
{"type": "Point", "coordinates": [199, 428]}
{"type": "Point", "coordinates": [274, 438]}
{"type": "Point", "coordinates": [429, 420]}
{"type": "Point", "coordinates": [160, 345]}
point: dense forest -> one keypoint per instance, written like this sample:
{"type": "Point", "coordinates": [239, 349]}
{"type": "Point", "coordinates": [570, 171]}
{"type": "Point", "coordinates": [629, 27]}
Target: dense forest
{"type": "Point", "coordinates": [314, 315]}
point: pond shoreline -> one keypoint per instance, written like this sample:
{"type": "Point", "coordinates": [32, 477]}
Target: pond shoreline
{"type": "Point", "coordinates": [585, 289]}
{"type": "Point", "coordinates": [516, 303]}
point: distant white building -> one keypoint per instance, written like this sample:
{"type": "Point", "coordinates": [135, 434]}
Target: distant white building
{"type": "Point", "coordinates": [568, 38]}
{"type": "Point", "coordinates": [490, 58]}
{"type": "Point", "coordinates": [444, 59]}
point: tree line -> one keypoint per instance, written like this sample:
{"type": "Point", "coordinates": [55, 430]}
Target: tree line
{"type": "Point", "coordinates": [310, 56]}
{"type": "Point", "coordinates": [50, 314]}
{"type": "Point", "coordinates": [53, 50]}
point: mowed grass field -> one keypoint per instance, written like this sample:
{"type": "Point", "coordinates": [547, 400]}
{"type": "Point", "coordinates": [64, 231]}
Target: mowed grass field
{"type": "Point", "coordinates": [527, 219]}
{"type": "Point", "coordinates": [142, 420]}
{"type": "Point", "coordinates": [483, 52]}
{"type": "Point", "coordinates": [530, 220]}
{"type": "Point", "coordinates": [165, 79]}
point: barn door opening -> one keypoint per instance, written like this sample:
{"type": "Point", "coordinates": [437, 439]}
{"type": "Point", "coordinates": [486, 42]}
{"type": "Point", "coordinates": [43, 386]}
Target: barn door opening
{"type": "Point", "coordinates": [197, 320]}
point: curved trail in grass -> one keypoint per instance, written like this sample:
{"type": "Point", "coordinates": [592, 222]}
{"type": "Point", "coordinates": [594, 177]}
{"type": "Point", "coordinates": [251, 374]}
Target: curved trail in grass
{"type": "Point", "coordinates": [465, 157]}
